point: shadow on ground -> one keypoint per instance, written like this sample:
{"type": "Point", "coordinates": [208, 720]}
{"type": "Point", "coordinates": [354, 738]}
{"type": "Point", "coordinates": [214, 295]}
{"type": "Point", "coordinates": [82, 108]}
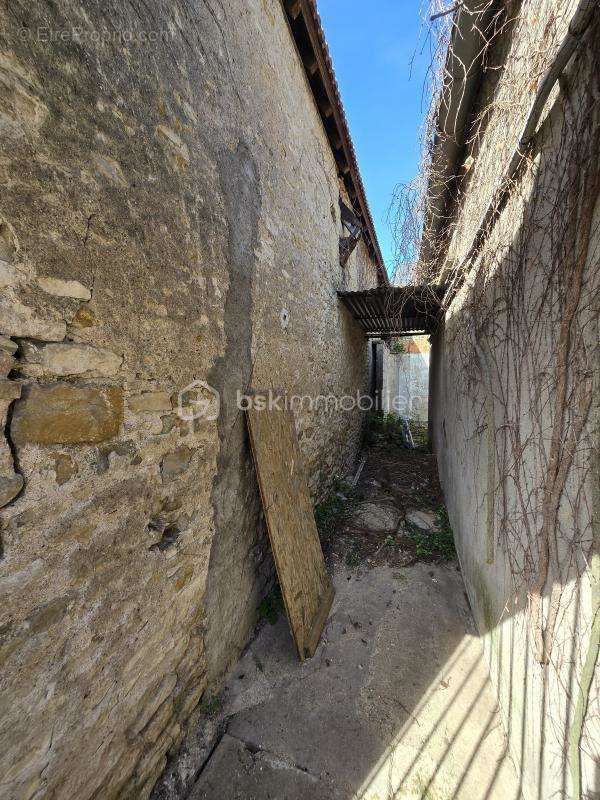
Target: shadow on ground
{"type": "Point", "coordinates": [395, 703]}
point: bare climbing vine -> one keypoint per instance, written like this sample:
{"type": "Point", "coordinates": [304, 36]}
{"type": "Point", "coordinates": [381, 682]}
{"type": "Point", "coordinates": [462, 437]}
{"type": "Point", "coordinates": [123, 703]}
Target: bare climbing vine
{"type": "Point", "coordinates": [521, 253]}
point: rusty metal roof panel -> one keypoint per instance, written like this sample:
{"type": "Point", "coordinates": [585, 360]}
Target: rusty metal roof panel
{"type": "Point", "coordinates": [395, 310]}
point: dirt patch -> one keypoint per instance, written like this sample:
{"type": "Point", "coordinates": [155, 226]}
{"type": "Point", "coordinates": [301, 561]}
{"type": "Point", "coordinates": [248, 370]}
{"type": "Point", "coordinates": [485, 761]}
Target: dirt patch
{"type": "Point", "coordinates": [393, 482]}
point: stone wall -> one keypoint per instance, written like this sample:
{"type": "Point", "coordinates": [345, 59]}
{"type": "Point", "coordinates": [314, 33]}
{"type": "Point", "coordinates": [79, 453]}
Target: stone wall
{"type": "Point", "coordinates": [169, 214]}
{"type": "Point", "coordinates": [515, 419]}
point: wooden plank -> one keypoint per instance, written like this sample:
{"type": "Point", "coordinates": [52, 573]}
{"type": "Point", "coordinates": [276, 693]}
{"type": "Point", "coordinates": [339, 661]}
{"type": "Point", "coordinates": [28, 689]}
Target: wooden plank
{"type": "Point", "coordinates": [305, 585]}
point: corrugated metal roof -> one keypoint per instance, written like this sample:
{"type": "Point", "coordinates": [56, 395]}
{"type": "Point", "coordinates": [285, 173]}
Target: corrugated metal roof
{"type": "Point", "coordinates": [395, 310]}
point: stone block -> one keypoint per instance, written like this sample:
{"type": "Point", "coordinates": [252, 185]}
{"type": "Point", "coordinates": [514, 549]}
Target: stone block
{"type": "Point", "coordinates": [9, 390]}
{"type": "Point", "coordinates": [7, 362]}
{"type": "Point", "coordinates": [31, 351]}
{"type": "Point", "coordinates": [61, 288]}
{"type": "Point", "coordinates": [23, 321]}
{"type": "Point", "coordinates": [424, 520]}
{"type": "Point", "coordinates": [126, 448]}
{"type": "Point", "coordinates": [376, 517]}
{"type": "Point", "coordinates": [64, 467]}
{"type": "Point", "coordinates": [69, 358]}
{"type": "Point", "coordinates": [10, 486]}
{"type": "Point", "coordinates": [9, 276]}
{"type": "Point", "coordinates": [149, 402]}
{"type": "Point", "coordinates": [84, 318]}
{"type": "Point", "coordinates": [173, 464]}
{"type": "Point", "coordinates": [7, 345]}
{"type": "Point", "coordinates": [66, 414]}
{"type": "Point", "coordinates": [7, 465]}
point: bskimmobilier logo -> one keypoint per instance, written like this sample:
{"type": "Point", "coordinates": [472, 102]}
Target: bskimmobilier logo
{"type": "Point", "coordinates": [198, 400]}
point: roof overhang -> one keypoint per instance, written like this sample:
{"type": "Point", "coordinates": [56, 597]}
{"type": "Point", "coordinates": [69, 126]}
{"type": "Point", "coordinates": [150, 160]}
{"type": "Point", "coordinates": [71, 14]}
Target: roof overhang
{"type": "Point", "coordinates": [307, 32]}
{"type": "Point", "coordinates": [463, 72]}
{"type": "Point", "coordinates": [396, 310]}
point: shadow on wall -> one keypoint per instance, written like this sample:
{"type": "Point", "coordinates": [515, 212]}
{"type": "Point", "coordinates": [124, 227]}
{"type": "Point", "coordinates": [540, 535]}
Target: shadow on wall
{"type": "Point", "coordinates": [515, 441]}
{"type": "Point", "coordinates": [396, 776]}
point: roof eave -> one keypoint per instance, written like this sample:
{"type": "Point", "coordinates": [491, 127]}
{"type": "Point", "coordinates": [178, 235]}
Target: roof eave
{"type": "Point", "coordinates": [472, 21]}
{"type": "Point", "coordinates": [307, 32]}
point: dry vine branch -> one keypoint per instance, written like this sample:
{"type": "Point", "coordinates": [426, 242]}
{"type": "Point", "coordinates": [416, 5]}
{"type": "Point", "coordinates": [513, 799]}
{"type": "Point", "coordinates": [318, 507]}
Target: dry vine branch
{"type": "Point", "coordinates": [521, 356]}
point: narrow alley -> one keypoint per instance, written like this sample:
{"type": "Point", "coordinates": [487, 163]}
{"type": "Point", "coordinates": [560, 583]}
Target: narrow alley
{"type": "Point", "coordinates": [396, 702]}
{"type": "Point", "coordinates": [299, 382]}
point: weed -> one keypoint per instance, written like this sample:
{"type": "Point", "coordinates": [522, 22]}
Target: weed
{"type": "Point", "coordinates": [352, 558]}
{"type": "Point", "coordinates": [389, 541]}
{"type": "Point", "coordinates": [420, 433]}
{"type": "Point", "coordinates": [340, 498]}
{"type": "Point", "coordinates": [437, 542]}
{"type": "Point", "coordinates": [385, 428]}
{"type": "Point", "coordinates": [272, 605]}
{"type": "Point", "coordinates": [420, 497]}
{"type": "Point", "coordinates": [210, 704]}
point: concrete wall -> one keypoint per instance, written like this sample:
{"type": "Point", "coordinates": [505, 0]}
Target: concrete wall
{"type": "Point", "coordinates": [515, 386]}
{"type": "Point", "coordinates": [168, 213]}
{"type": "Point", "coordinates": [406, 379]}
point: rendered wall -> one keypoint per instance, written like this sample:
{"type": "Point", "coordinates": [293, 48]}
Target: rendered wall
{"type": "Point", "coordinates": [406, 379]}
{"type": "Point", "coordinates": [169, 213]}
{"type": "Point", "coordinates": [515, 408]}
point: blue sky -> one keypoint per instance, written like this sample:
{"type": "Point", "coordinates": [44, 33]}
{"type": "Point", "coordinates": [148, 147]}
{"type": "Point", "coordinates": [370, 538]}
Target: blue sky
{"type": "Point", "coordinates": [372, 46]}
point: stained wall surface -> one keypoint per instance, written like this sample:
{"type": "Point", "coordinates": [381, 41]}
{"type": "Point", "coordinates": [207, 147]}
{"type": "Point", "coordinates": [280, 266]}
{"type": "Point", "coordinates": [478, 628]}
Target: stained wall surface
{"type": "Point", "coordinates": [515, 393]}
{"type": "Point", "coordinates": [168, 215]}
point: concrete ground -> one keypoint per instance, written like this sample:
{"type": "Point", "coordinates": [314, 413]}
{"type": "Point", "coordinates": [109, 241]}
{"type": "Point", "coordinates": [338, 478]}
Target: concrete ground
{"type": "Point", "coordinates": [395, 703]}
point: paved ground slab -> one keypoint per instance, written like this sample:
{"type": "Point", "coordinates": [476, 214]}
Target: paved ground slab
{"type": "Point", "coordinates": [236, 772]}
{"type": "Point", "coordinates": [395, 703]}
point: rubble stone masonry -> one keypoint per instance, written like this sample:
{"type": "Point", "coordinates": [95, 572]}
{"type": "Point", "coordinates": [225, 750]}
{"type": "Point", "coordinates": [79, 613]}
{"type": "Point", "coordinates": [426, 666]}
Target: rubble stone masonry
{"type": "Point", "coordinates": [168, 214]}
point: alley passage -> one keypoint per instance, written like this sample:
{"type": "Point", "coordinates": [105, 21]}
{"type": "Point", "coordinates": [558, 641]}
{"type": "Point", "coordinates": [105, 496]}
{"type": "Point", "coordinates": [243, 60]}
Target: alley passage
{"type": "Point", "coordinates": [396, 701]}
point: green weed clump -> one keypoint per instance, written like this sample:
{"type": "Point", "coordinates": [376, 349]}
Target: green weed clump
{"type": "Point", "coordinates": [387, 428]}
{"type": "Point", "coordinates": [384, 428]}
{"type": "Point", "coordinates": [210, 704]}
{"type": "Point", "coordinates": [438, 542]}
{"type": "Point", "coordinates": [340, 498]}
{"type": "Point", "coordinates": [419, 433]}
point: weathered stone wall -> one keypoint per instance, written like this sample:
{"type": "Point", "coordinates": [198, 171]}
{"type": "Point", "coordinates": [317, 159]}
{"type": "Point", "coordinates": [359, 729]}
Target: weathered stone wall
{"type": "Point", "coordinates": [169, 213]}
{"type": "Point", "coordinates": [515, 377]}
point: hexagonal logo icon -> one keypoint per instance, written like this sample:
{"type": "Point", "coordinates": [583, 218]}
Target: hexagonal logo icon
{"type": "Point", "coordinates": [198, 400]}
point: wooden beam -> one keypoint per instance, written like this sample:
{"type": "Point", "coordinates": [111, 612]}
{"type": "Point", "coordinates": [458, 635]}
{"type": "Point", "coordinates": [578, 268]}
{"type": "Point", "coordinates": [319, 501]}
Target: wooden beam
{"type": "Point", "coordinates": [311, 64]}
{"type": "Point", "coordinates": [342, 163]}
{"type": "Point", "coordinates": [326, 108]}
{"type": "Point", "coordinates": [293, 8]}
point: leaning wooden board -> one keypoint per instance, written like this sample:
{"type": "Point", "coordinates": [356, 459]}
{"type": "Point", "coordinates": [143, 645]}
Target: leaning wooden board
{"type": "Point", "coordinates": [305, 585]}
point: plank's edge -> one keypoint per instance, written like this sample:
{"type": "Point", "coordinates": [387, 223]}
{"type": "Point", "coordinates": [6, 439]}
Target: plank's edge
{"type": "Point", "coordinates": [264, 505]}
{"type": "Point", "coordinates": [312, 640]}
